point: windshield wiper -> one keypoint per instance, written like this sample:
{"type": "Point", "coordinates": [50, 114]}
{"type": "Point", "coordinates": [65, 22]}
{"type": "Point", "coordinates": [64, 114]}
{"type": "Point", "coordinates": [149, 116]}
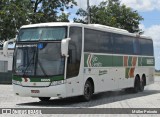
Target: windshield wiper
{"type": "Point", "coordinates": [30, 61]}
{"type": "Point", "coordinates": [44, 72]}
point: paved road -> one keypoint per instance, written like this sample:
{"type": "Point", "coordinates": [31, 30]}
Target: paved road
{"type": "Point", "coordinates": [150, 98]}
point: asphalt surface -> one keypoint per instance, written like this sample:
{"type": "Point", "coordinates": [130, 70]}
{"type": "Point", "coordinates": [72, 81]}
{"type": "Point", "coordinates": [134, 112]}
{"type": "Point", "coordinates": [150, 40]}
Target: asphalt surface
{"type": "Point", "coordinates": [150, 98]}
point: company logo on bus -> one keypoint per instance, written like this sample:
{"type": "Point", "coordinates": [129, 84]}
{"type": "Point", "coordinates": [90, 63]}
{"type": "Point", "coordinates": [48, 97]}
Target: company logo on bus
{"type": "Point", "coordinates": [26, 79]}
{"type": "Point", "coordinates": [150, 61]}
{"type": "Point", "coordinates": [102, 72]}
{"type": "Point", "coordinates": [93, 61]}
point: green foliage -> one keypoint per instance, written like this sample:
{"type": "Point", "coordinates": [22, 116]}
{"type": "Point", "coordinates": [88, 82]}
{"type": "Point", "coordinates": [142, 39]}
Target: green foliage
{"type": "Point", "coordinates": [47, 10]}
{"type": "Point", "coordinates": [63, 17]}
{"type": "Point", "coordinates": [112, 13]}
{"type": "Point", "coordinates": [12, 16]}
{"type": "Point", "coordinates": [15, 13]}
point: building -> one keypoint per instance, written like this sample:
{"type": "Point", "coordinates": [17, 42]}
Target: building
{"type": "Point", "coordinates": [6, 66]}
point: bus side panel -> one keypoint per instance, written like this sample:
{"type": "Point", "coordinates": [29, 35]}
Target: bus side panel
{"type": "Point", "coordinates": [123, 81]}
{"type": "Point", "coordinates": [74, 86]}
{"type": "Point", "coordinates": [104, 78]}
{"type": "Point", "coordinates": [151, 76]}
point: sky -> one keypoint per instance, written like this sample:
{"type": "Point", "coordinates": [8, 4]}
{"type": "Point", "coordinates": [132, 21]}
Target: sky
{"type": "Point", "coordinates": [148, 9]}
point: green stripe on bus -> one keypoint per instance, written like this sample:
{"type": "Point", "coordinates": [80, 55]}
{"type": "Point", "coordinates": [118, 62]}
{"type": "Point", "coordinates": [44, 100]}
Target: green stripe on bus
{"type": "Point", "coordinates": [103, 60]}
{"type": "Point", "coordinates": [139, 61]}
{"type": "Point", "coordinates": [146, 61]}
{"type": "Point", "coordinates": [97, 60]}
{"type": "Point", "coordinates": [117, 61]}
{"type": "Point", "coordinates": [93, 60]}
{"type": "Point", "coordinates": [37, 79]}
{"type": "Point", "coordinates": [17, 78]}
{"type": "Point", "coordinates": [85, 60]}
{"type": "Point", "coordinates": [130, 61]}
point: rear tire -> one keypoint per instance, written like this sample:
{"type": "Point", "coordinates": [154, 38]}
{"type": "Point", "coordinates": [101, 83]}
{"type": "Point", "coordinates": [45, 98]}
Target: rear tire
{"type": "Point", "coordinates": [44, 98]}
{"type": "Point", "coordinates": [88, 91]}
{"type": "Point", "coordinates": [141, 88]}
{"type": "Point", "coordinates": [136, 85]}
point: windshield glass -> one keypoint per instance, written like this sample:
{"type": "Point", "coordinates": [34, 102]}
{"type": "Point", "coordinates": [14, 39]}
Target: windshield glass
{"type": "Point", "coordinates": [25, 60]}
{"type": "Point", "coordinates": [49, 60]}
{"type": "Point", "coordinates": [43, 33]}
{"type": "Point", "coordinates": [42, 59]}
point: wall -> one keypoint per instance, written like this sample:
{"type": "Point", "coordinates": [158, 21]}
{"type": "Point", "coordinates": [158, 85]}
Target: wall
{"type": "Point", "coordinates": [6, 67]}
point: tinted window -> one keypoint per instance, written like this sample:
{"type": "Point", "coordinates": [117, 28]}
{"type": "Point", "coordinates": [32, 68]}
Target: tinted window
{"type": "Point", "coordinates": [106, 42]}
{"type": "Point", "coordinates": [136, 46]}
{"type": "Point", "coordinates": [75, 47]}
{"type": "Point", "coordinates": [97, 41]}
{"type": "Point", "coordinates": [146, 47]}
{"type": "Point", "coordinates": [126, 45]}
{"type": "Point", "coordinates": [122, 44]}
{"type": "Point", "coordinates": [118, 44]}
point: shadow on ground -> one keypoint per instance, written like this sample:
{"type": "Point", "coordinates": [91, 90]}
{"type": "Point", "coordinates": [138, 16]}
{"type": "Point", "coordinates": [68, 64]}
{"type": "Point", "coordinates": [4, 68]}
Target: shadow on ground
{"type": "Point", "coordinates": [97, 100]}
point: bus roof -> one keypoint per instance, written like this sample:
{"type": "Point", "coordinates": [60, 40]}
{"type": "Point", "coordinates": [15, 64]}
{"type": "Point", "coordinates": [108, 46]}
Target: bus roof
{"type": "Point", "coordinates": [91, 26]}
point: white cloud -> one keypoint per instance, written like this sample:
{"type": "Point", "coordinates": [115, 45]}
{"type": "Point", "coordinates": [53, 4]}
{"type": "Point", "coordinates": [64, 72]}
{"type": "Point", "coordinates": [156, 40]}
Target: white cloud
{"type": "Point", "coordinates": [142, 26]}
{"type": "Point", "coordinates": [140, 5]}
{"type": "Point", "coordinates": [143, 5]}
{"type": "Point", "coordinates": [153, 32]}
{"type": "Point", "coordinates": [83, 3]}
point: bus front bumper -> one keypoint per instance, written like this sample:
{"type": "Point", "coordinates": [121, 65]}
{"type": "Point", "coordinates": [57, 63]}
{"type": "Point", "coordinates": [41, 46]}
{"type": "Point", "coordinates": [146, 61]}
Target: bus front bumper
{"type": "Point", "coordinates": [51, 91]}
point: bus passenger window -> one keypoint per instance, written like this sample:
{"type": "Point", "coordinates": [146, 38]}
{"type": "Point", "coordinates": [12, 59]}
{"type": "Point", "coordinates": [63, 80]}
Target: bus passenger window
{"type": "Point", "coordinates": [75, 46]}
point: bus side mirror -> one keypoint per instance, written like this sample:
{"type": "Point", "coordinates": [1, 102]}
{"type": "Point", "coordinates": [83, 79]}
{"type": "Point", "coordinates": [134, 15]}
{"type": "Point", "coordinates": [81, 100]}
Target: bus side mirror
{"type": "Point", "coordinates": [64, 46]}
{"type": "Point", "coordinates": [5, 46]}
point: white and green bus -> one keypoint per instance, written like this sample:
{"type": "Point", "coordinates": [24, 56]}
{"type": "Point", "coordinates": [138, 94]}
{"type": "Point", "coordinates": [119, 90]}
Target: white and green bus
{"type": "Point", "coordinates": [72, 59]}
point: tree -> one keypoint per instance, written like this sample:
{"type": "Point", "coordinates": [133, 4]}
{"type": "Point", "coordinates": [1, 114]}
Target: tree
{"type": "Point", "coordinates": [15, 13]}
{"type": "Point", "coordinates": [63, 17]}
{"type": "Point", "coordinates": [112, 13]}
{"type": "Point", "coordinates": [12, 16]}
{"type": "Point", "coordinates": [47, 10]}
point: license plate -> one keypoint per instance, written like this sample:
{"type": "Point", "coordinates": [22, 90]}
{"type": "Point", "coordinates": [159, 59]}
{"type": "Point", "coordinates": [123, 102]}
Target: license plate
{"type": "Point", "coordinates": [35, 91]}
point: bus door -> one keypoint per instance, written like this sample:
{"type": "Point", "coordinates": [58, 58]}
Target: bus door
{"type": "Point", "coordinates": [73, 62]}
{"type": "Point", "coordinates": [73, 77]}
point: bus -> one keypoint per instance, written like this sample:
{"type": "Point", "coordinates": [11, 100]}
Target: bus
{"type": "Point", "coordinates": [73, 59]}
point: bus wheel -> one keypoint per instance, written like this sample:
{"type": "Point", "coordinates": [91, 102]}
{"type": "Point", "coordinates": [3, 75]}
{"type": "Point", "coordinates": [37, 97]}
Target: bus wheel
{"type": "Point", "coordinates": [141, 88]}
{"type": "Point", "coordinates": [136, 85]}
{"type": "Point", "coordinates": [88, 91]}
{"type": "Point", "coordinates": [44, 98]}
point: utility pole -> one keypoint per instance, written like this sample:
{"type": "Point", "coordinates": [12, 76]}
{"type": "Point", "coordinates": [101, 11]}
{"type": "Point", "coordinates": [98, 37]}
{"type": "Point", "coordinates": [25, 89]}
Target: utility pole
{"type": "Point", "coordinates": [88, 12]}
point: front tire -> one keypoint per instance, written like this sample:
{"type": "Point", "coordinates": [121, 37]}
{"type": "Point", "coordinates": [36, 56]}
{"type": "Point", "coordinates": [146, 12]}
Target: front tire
{"type": "Point", "coordinates": [88, 91]}
{"type": "Point", "coordinates": [44, 98]}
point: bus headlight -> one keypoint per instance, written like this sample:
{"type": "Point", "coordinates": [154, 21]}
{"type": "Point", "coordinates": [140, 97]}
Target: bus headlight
{"type": "Point", "coordinates": [57, 82]}
{"type": "Point", "coordinates": [16, 82]}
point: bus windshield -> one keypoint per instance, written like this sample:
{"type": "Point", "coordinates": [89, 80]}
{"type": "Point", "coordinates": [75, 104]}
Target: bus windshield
{"type": "Point", "coordinates": [42, 59]}
{"type": "Point", "coordinates": [42, 33]}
